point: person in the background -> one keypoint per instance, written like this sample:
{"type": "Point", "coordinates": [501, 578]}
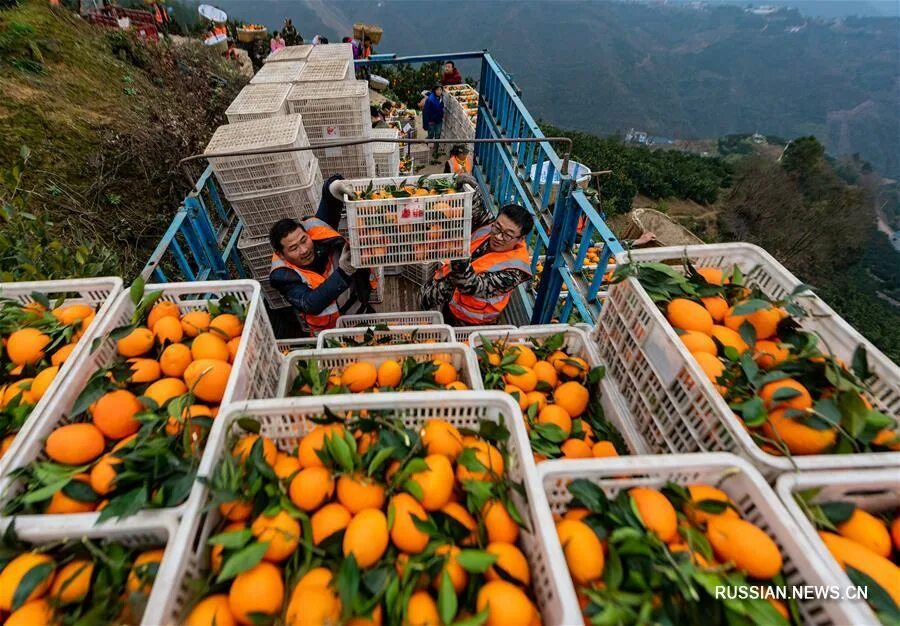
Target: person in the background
{"type": "Point", "coordinates": [377, 117]}
{"type": "Point", "coordinates": [475, 291]}
{"type": "Point", "coordinates": [387, 109]}
{"type": "Point", "coordinates": [291, 36]}
{"type": "Point", "coordinates": [433, 117]}
{"type": "Point", "coordinates": [366, 48]}
{"type": "Point", "coordinates": [460, 161]}
{"type": "Point", "coordinates": [311, 264]}
{"type": "Point", "coordinates": [277, 42]}
{"type": "Point", "coordinates": [354, 47]}
{"type": "Point", "coordinates": [451, 74]}
{"type": "Point", "coordinates": [231, 52]}
{"type": "Point", "coordinates": [317, 39]}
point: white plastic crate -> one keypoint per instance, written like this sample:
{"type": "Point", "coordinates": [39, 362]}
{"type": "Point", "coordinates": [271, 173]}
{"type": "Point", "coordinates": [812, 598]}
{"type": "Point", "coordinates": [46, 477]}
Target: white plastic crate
{"type": "Point", "coordinates": [576, 343]}
{"type": "Point", "coordinates": [463, 333]}
{"type": "Point", "coordinates": [285, 421]}
{"type": "Point", "coordinates": [287, 72]}
{"type": "Point", "coordinates": [332, 51]}
{"type": "Point", "coordinates": [392, 335]}
{"type": "Point", "coordinates": [419, 273]}
{"type": "Point", "coordinates": [673, 402]}
{"type": "Point", "coordinates": [870, 490]}
{"type": "Point", "coordinates": [100, 293]}
{"type": "Point", "coordinates": [318, 69]}
{"type": "Point", "coordinates": [265, 172]}
{"type": "Point", "coordinates": [753, 498]}
{"type": "Point", "coordinates": [397, 231]}
{"type": "Point", "coordinates": [259, 211]}
{"type": "Point", "coordinates": [272, 296]}
{"type": "Point", "coordinates": [290, 53]}
{"type": "Point", "coordinates": [332, 111]}
{"type": "Point", "coordinates": [255, 369]}
{"type": "Point", "coordinates": [400, 318]}
{"type": "Point", "coordinates": [258, 101]}
{"type": "Point", "coordinates": [143, 530]}
{"type": "Point", "coordinates": [348, 161]}
{"type": "Point", "coordinates": [296, 343]}
{"type": "Point", "coordinates": [387, 155]}
{"type": "Point", "coordinates": [459, 356]}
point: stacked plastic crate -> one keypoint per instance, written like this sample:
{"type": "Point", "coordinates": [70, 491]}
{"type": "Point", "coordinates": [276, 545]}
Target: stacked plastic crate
{"type": "Point", "coordinates": [267, 187]}
{"type": "Point", "coordinates": [387, 155]}
{"type": "Point", "coordinates": [289, 54]}
{"type": "Point", "coordinates": [334, 111]}
{"type": "Point", "coordinates": [460, 112]}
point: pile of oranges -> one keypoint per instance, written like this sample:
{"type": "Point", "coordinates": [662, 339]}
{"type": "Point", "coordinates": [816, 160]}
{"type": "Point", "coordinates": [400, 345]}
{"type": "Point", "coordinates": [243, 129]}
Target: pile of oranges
{"type": "Point", "coordinates": [557, 393]}
{"type": "Point", "coordinates": [656, 556]}
{"type": "Point", "coordinates": [865, 542]}
{"type": "Point", "coordinates": [793, 397]}
{"type": "Point", "coordinates": [366, 522]}
{"type": "Point", "coordinates": [368, 377]}
{"type": "Point", "coordinates": [86, 583]}
{"type": "Point", "coordinates": [36, 340]}
{"type": "Point", "coordinates": [133, 437]}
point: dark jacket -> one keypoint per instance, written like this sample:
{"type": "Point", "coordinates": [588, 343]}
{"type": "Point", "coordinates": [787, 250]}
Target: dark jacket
{"type": "Point", "coordinates": [433, 111]}
{"type": "Point", "coordinates": [451, 78]}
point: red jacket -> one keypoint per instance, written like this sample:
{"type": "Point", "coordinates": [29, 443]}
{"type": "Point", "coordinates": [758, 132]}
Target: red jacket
{"type": "Point", "coordinates": [451, 78]}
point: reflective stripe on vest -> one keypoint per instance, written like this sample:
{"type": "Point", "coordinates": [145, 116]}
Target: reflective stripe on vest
{"type": "Point", "coordinates": [461, 168]}
{"type": "Point", "coordinates": [475, 310]}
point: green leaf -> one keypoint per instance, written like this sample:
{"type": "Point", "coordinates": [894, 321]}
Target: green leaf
{"type": "Point", "coordinates": [877, 597]}
{"type": "Point", "coordinates": [860, 363]}
{"type": "Point", "coordinates": [347, 580]}
{"type": "Point", "coordinates": [751, 306]}
{"type": "Point", "coordinates": [475, 561]}
{"type": "Point", "coordinates": [590, 495]}
{"type": "Point", "coordinates": [837, 512]}
{"type": "Point", "coordinates": [476, 620]}
{"type": "Point", "coordinates": [32, 578]}
{"type": "Point", "coordinates": [378, 460]}
{"type": "Point", "coordinates": [232, 539]}
{"type": "Point", "coordinates": [550, 432]}
{"type": "Point", "coordinates": [447, 601]}
{"type": "Point", "coordinates": [243, 560]}
{"type": "Point", "coordinates": [136, 291]}
{"type": "Point", "coordinates": [612, 571]}
{"type": "Point", "coordinates": [249, 424]}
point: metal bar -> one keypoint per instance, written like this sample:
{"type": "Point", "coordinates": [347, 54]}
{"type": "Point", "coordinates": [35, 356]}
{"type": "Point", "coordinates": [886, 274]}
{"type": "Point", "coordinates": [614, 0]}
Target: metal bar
{"type": "Point", "coordinates": [213, 191]}
{"type": "Point", "coordinates": [421, 58]}
{"type": "Point", "coordinates": [574, 296]}
{"type": "Point", "coordinates": [207, 236]}
{"type": "Point", "coordinates": [159, 275]}
{"type": "Point", "coordinates": [584, 245]}
{"type": "Point", "coordinates": [182, 261]}
{"type": "Point", "coordinates": [160, 251]}
{"type": "Point", "coordinates": [551, 281]}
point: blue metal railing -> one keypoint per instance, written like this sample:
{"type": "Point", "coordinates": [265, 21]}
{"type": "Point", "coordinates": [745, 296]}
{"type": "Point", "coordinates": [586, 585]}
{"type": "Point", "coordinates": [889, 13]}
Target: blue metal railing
{"type": "Point", "coordinates": [202, 237]}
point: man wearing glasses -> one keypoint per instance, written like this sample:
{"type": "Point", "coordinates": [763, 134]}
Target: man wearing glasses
{"type": "Point", "coordinates": [474, 291]}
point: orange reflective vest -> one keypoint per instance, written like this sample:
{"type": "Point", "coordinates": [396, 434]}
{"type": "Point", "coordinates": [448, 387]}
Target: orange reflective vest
{"type": "Point", "coordinates": [327, 318]}
{"type": "Point", "coordinates": [461, 168]}
{"type": "Point", "coordinates": [475, 310]}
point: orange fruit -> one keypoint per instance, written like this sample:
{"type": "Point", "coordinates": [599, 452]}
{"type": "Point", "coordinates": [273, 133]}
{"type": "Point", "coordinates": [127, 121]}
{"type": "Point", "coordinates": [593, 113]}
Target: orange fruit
{"type": "Point", "coordinates": [31, 613]}
{"type": "Point", "coordinates": [164, 390]}
{"type": "Point", "coordinates": [458, 575]}
{"type": "Point", "coordinates": [227, 325]}
{"type": "Point", "coordinates": [867, 530]}
{"type": "Point", "coordinates": [143, 571]}
{"type": "Point", "coordinates": [799, 438]}
{"type": "Point", "coordinates": [211, 611]}
{"type": "Point", "coordinates": [329, 519]}
{"type": "Point", "coordinates": [233, 347]}
{"type": "Point", "coordinates": [688, 315]}
{"type": "Point", "coordinates": [162, 309]}
{"type": "Point", "coordinates": [280, 531]}
{"type": "Point", "coordinates": [21, 389]}
{"type": "Point", "coordinates": [460, 514]}
{"type": "Point", "coordinates": [72, 582]}
{"type": "Point", "coordinates": [75, 444]}
{"type": "Point", "coordinates": [518, 395]}
{"type": "Point", "coordinates": [313, 441]}
{"type": "Point", "coordinates": [576, 449]}
{"type": "Point", "coordinates": [317, 576]}
{"type": "Point", "coordinates": [313, 605]}
{"type": "Point", "coordinates": [195, 322]}
{"type": "Point", "coordinates": [389, 374]}
{"type": "Point", "coordinates": [436, 482]}
{"type": "Point", "coordinates": [208, 378]}
{"type": "Point", "coordinates": [456, 385]}
{"type": "Point", "coordinates": [209, 345]}
{"type": "Point", "coordinates": [175, 359]}
{"type": "Point", "coordinates": [604, 449]}
{"type": "Point", "coordinates": [136, 343]}
{"type": "Point", "coordinates": [744, 544]}
{"type": "Point", "coordinates": [366, 537]}
{"type": "Point", "coordinates": [311, 488]}
{"type": "Point", "coordinates": [582, 549]}
{"type": "Point", "coordinates": [545, 372]}
{"type": "Point", "coordinates": [699, 493]}
{"type": "Point", "coordinates": [113, 413]}
{"type": "Point", "coordinates": [168, 330]}
{"type": "Point", "coordinates": [712, 275]}
{"type": "Point", "coordinates": [711, 366]}
{"type": "Point", "coordinates": [42, 381]}
{"type": "Point", "coordinates": [19, 567]}
{"type": "Point", "coordinates": [728, 337]}
{"type": "Point", "coordinates": [404, 533]}
{"type": "Point", "coordinates": [236, 510]}
{"type": "Point", "coordinates": [507, 605]}
{"type": "Point", "coordinates": [526, 381]}
{"type": "Point", "coordinates": [768, 354]}
{"type": "Point", "coordinates": [487, 455]}
{"type": "Point", "coordinates": [764, 321]}
{"type": "Point", "coordinates": [556, 357]}
{"type": "Point", "coordinates": [511, 560]}
{"type": "Point", "coordinates": [285, 466]}
{"type": "Point", "coordinates": [103, 474]}
{"type": "Point", "coordinates": [524, 355]}
{"type": "Point", "coordinates": [656, 512]}
{"type": "Point", "coordinates": [245, 444]}
{"type": "Point", "coordinates": [6, 443]}
{"type": "Point", "coordinates": [696, 341]}
{"type": "Point", "coordinates": [359, 377]}
{"type": "Point", "coordinates": [144, 370]}
{"type": "Point", "coordinates": [555, 414]}
{"type": "Point", "coordinates": [258, 591]}
{"type": "Point", "coordinates": [536, 397]}
{"type": "Point", "coordinates": [800, 400]}
{"type": "Point", "coordinates": [59, 357]}
{"type": "Point", "coordinates": [71, 313]}
{"type": "Point", "coordinates": [895, 532]}
{"type": "Point", "coordinates": [26, 346]}
{"type": "Point", "coordinates": [848, 554]}
{"type": "Point", "coordinates": [717, 307]}
{"type": "Point", "coordinates": [421, 610]}
{"type": "Point", "coordinates": [441, 437]}
{"type": "Point", "coordinates": [445, 372]}
{"type": "Point", "coordinates": [358, 492]}
{"type": "Point", "coordinates": [573, 397]}
{"type": "Point", "coordinates": [499, 523]}
{"type": "Point", "coordinates": [572, 367]}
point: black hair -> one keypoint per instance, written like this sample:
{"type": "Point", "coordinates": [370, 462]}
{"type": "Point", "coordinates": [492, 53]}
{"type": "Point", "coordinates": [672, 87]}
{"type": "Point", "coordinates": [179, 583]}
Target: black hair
{"type": "Point", "coordinates": [387, 105]}
{"type": "Point", "coordinates": [323, 39]}
{"type": "Point", "coordinates": [458, 149]}
{"type": "Point", "coordinates": [520, 216]}
{"type": "Point", "coordinates": [374, 111]}
{"type": "Point", "coordinates": [275, 33]}
{"type": "Point", "coordinates": [437, 86]}
{"type": "Point", "coordinates": [280, 230]}
{"type": "Point", "coordinates": [450, 63]}
{"type": "Point", "coordinates": [347, 40]}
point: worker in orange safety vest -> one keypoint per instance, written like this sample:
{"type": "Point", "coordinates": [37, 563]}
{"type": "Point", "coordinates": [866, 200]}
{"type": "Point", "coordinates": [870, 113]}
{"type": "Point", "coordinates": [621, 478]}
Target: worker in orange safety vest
{"type": "Point", "coordinates": [311, 265]}
{"type": "Point", "coordinates": [460, 161]}
{"type": "Point", "coordinates": [475, 291]}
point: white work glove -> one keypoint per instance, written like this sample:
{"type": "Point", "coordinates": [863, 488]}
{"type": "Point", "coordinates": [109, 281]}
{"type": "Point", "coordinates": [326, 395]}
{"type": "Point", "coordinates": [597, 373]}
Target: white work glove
{"type": "Point", "coordinates": [338, 188]}
{"type": "Point", "coordinates": [467, 179]}
{"type": "Point", "coordinates": [344, 262]}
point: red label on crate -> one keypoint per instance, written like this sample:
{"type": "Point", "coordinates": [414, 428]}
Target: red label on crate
{"type": "Point", "coordinates": [410, 212]}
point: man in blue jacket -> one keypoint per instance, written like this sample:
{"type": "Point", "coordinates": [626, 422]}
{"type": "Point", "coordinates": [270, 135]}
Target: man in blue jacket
{"type": "Point", "coordinates": [433, 116]}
